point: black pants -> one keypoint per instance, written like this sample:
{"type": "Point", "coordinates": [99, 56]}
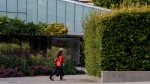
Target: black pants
{"type": "Point", "coordinates": [58, 71]}
{"type": "Point", "coordinates": [61, 72]}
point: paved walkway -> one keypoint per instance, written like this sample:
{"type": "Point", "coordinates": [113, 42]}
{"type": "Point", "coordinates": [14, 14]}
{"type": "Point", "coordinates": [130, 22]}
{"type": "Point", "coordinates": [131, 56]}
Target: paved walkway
{"type": "Point", "coordinates": [70, 79]}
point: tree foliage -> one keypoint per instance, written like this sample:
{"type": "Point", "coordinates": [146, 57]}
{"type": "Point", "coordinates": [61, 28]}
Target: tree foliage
{"type": "Point", "coordinates": [55, 29]}
{"type": "Point", "coordinates": [117, 3]}
{"type": "Point", "coordinates": [117, 41]}
{"type": "Point", "coordinates": [91, 44]}
{"type": "Point", "coordinates": [15, 26]}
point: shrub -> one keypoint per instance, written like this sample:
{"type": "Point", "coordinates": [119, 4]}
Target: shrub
{"type": "Point", "coordinates": [10, 72]}
{"type": "Point", "coordinates": [71, 69]}
{"type": "Point", "coordinates": [15, 26]}
{"type": "Point", "coordinates": [117, 41]}
{"type": "Point", "coordinates": [31, 62]}
{"type": "Point", "coordinates": [126, 40]}
{"type": "Point", "coordinates": [40, 70]}
{"type": "Point", "coordinates": [92, 43]}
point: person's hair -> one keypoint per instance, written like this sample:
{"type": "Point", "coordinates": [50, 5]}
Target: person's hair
{"type": "Point", "coordinates": [59, 53]}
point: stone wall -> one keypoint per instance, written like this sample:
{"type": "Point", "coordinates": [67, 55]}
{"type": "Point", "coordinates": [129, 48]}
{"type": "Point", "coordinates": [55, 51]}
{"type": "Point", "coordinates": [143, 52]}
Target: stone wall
{"type": "Point", "coordinates": [124, 76]}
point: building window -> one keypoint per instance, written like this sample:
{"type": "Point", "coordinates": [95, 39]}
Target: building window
{"type": "Point", "coordinates": [52, 11]}
{"type": "Point", "coordinates": [42, 11]}
{"type": "Point", "coordinates": [70, 16]}
{"type": "Point", "coordinates": [12, 6]}
{"type": "Point", "coordinates": [32, 11]}
{"type": "Point", "coordinates": [60, 11]}
{"type": "Point", "coordinates": [78, 18]}
{"type": "Point", "coordinates": [3, 5]}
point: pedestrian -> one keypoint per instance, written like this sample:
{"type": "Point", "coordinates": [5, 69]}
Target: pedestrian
{"type": "Point", "coordinates": [59, 60]}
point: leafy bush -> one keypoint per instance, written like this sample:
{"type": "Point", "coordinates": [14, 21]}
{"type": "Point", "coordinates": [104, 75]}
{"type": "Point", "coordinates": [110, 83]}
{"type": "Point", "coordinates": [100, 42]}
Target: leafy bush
{"type": "Point", "coordinates": [10, 72]}
{"type": "Point", "coordinates": [71, 69]}
{"type": "Point", "coordinates": [15, 26]}
{"type": "Point", "coordinates": [40, 70]}
{"type": "Point", "coordinates": [55, 29]}
{"type": "Point", "coordinates": [92, 43]}
{"type": "Point", "coordinates": [7, 47]}
{"type": "Point", "coordinates": [126, 41]}
{"type": "Point", "coordinates": [30, 71]}
{"type": "Point", "coordinates": [10, 61]}
{"type": "Point", "coordinates": [31, 63]}
{"type": "Point", "coordinates": [117, 41]}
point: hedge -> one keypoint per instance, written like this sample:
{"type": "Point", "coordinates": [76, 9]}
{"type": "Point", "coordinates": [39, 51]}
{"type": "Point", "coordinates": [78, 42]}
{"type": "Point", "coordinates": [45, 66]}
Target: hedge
{"type": "Point", "coordinates": [92, 44]}
{"type": "Point", "coordinates": [117, 41]}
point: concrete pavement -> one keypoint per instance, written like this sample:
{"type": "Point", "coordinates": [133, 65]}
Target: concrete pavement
{"type": "Point", "coordinates": [70, 79]}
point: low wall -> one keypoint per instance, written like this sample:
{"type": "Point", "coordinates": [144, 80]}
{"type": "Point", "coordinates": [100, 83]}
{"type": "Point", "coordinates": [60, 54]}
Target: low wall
{"type": "Point", "coordinates": [124, 76]}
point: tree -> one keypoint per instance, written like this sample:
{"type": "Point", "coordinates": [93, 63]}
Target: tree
{"type": "Point", "coordinates": [117, 3]}
{"type": "Point", "coordinates": [15, 26]}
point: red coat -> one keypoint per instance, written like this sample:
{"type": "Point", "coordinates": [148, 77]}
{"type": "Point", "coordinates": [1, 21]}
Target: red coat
{"type": "Point", "coordinates": [59, 60]}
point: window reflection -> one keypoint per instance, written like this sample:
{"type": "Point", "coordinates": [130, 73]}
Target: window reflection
{"type": "Point", "coordinates": [12, 5]}
{"type": "Point", "coordinates": [12, 15]}
{"type": "Point", "coordinates": [51, 11]}
{"type": "Point", "coordinates": [32, 11]}
{"type": "Point", "coordinates": [22, 16]}
{"type": "Point", "coordinates": [3, 5]}
{"type": "Point", "coordinates": [70, 16]}
{"type": "Point", "coordinates": [42, 8]}
{"type": "Point", "coordinates": [22, 6]}
{"type": "Point", "coordinates": [87, 10]}
{"type": "Point", "coordinates": [2, 13]}
{"type": "Point", "coordinates": [78, 18]}
{"type": "Point", "coordinates": [60, 11]}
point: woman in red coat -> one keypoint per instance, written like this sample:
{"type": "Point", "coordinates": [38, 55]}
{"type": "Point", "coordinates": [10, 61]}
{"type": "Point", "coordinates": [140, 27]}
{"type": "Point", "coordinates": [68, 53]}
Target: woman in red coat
{"type": "Point", "coordinates": [59, 60]}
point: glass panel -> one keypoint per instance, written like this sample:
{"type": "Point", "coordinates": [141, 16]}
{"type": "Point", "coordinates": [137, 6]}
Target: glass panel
{"type": "Point", "coordinates": [2, 13]}
{"type": "Point", "coordinates": [3, 5]}
{"type": "Point", "coordinates": [12, 5]}
{"type": "Point", "coordinates": [22, 16]}
{"type": "Point", "coordinates": [32, 11]}
{"type": "Point", "coordinates": [60, 11]}
{"type": "Point", "coordinates": [51, 11]}
{"type": "Point", "coordinates": [78, 18]}
{"type": "Point", "coordinates": [70, 16]}
{"type": "Point", "coordinates": [87, 10]}
{"type": "Point", "coordinates": [42, 10]}
{"type": "Point", "coordinates": [12, 15]}
{"type": "Point", "coordinates": [22, 6]}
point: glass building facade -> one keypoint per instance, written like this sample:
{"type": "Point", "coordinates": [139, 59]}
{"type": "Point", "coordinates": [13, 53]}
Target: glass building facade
{"type": "Point", "coordinates": [48, 11]}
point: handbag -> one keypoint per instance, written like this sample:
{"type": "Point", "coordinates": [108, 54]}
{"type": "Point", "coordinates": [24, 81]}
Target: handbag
{"type": "Point", "coordinates": [62, 65]}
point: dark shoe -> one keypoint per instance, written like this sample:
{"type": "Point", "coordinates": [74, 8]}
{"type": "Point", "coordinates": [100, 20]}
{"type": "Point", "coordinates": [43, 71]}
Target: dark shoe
{"type": "Point", "coordinates": [60, 78]}
{"type": "Point", "coordinates": [51, 78]}
{"type": "Point", "coordinates": [63, 79]}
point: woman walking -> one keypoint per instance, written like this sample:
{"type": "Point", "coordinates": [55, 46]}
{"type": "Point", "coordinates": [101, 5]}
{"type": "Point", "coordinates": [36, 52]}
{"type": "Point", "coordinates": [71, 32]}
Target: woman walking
{"type": "Point", "coordinates": [59, 60]}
